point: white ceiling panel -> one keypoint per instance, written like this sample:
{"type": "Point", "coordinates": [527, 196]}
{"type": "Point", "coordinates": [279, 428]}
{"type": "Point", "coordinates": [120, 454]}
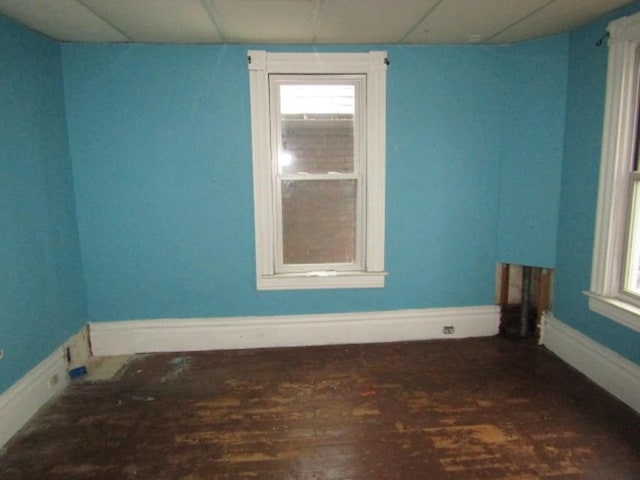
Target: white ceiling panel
{"type": "Point", "coordinates": [62, 20]}
{"type": "Point", "coordinates": [470, 21]}
{"type": "Point", "coordinates": [304, 21]}
{"type": "Point", "coordinates": [559, 16]}
{"type": "Point", "coordinates": [266, 21]}
{"type": "Point", "coordinates": [374, 21]}
{"type": "Point", "coordinates": [184, 21]}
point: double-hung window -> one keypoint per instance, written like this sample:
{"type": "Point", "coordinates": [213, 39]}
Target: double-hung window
{"type": "Point", "coordinates": [318, 135]}
{"type": "Point", "coordinates": [615, 279]}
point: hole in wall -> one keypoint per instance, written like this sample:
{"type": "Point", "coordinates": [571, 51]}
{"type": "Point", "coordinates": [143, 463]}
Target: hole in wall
{"type": "Point", "coordinates": [524, 293]}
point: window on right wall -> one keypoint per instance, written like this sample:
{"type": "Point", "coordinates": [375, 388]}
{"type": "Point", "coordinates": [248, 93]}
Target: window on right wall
{"type": "Point", "coordinates": [615, 278]}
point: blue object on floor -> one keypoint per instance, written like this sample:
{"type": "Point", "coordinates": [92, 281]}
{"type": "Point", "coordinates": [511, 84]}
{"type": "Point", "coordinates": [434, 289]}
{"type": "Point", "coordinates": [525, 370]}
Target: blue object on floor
{"type": "Point", "coordinates": [77, 372]}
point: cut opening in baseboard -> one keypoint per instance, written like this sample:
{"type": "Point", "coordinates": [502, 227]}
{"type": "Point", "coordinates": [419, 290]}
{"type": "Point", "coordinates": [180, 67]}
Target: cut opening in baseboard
{"type": "Point", "coordinates": [524, 293]}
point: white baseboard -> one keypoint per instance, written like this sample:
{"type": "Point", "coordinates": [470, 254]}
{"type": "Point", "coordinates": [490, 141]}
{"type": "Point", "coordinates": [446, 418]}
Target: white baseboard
{"type": "Point", "coordinates": [22, 400]}
{"type": "Point", "coordinates": [25, 397]}
{"type": "Point", "coordinates": [611, 371]}
{"type": "Point", "coordinates": [177, 335]}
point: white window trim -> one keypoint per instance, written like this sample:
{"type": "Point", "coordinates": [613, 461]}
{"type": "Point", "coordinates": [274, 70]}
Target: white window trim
{"type": "Point", "coordinates": [619, 130]}
{"type": "Point", "coordinates": [374, 66]}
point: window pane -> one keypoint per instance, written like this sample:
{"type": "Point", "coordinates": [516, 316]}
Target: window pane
{"type": "Point", "coordinates": [317, 124]}
{"type": "Point", "coordinates": [632, 280]}
{"type": "Point", "coordinates": [317, 99]}
{"type": "Point", "coordinates": [319, 221]}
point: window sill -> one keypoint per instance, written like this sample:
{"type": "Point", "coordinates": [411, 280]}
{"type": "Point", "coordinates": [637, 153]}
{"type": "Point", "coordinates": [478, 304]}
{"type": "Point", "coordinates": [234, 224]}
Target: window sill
{"type": "Point", "coordinates": [615, 309]}
{"type": "Point", "coordinates": [303, 281]}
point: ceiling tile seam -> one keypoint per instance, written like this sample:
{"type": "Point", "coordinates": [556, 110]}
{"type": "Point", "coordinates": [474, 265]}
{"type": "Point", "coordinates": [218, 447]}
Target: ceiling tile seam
{"type": "Point", "coordinates": [211, 13]}
{"type": "Point", "coordinates": [95, 14]}
{"type": "Point", "coordinates": [419, 22]}
{"type": "Point", "coordinates": [516, 22]}
{"type": "Point", "coordinates": [317, 10]}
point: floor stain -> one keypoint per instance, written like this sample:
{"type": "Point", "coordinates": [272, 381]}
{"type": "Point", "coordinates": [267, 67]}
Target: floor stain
{"type": "Point", "coordinates": [178, 365]}
{"type": "Point", "coordinates": [365, 411]}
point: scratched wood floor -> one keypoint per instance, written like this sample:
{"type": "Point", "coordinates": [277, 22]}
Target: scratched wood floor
{"type": "Point", "coordinates": [486, 409]}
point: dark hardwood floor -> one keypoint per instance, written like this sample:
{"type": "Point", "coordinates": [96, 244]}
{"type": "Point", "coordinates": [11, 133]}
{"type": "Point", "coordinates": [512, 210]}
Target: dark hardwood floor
{"type": "Point", "coordinates": [490, 409]}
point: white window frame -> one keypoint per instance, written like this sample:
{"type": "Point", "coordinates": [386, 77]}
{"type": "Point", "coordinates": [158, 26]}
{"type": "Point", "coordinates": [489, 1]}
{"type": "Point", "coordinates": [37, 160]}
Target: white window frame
{"type": "Point", "coordinates": [371, 64]}
{"type": "Point", "coordinates": [607, 295]}
{"type": "Point", "coordinates": [357, 174]}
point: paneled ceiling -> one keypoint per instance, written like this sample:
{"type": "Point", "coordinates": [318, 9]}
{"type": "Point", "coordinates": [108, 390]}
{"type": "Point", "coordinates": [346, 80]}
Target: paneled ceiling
{"type": "Point", "coordinates": [304, 21]}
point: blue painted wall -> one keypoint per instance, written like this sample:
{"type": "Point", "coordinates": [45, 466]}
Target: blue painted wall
{"type": "Point", "coordinates": [160, 140]}
{"type": "Point", "coordinates": [583, 135]}
{"type": "Point", "coordinates": [42, 293]}
{"type": "Point", "coordinates": [535, 86]}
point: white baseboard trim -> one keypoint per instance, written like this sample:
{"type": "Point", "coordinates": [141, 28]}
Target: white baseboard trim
{"type": "Point", "coordinates": [25, 397]}
{"type": "Point", "coordinates": [47, 379]}
{"type": "Point", "coordinates": [179, 335]}
{"type": "Point", "coordinates": [614, 373]}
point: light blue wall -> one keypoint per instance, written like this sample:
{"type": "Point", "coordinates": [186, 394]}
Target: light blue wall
{"type": "Point", "coordinates": [160, 141]}
{"type": "Point", "coordinates": [583, 134]}
{"type": "Point", "coordinates": [42, 296]}
{"type": "Point", "coordinates": [535, 86]}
